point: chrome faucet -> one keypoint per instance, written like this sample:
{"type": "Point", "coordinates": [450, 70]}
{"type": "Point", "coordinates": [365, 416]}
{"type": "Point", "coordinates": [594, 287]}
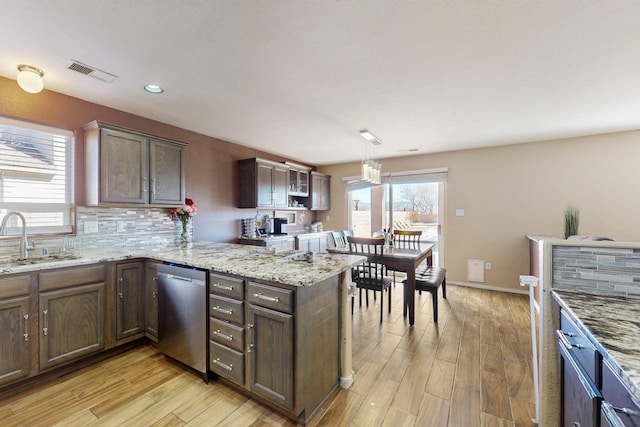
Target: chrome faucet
{"type": "Point", "coordinates": [24, 253]}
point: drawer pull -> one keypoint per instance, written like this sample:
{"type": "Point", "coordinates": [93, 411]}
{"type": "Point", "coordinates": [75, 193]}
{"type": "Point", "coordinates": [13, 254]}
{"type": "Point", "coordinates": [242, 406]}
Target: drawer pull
{"type": "Point", "coordinates": [26, 327]}
{"type": "Point", "coordinates": [223, 365]}
{"type": "Point", "coordinates": [223, 287]}
{"type": "Point", "coordinates": [221, 335]}
{"type": "Point", "coordinates": [266, 297]}
{"type": "Point", "coordinates": [569, 345]}
{"type": "Point", "coordinates": [223, 310]}
{"type": "Point", "coordinates": [621, 410]}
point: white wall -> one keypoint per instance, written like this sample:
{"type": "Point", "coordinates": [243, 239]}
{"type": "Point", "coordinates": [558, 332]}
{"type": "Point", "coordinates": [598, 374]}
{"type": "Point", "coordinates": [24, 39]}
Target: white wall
{"type": "Point", "coordinates": [509, 192]}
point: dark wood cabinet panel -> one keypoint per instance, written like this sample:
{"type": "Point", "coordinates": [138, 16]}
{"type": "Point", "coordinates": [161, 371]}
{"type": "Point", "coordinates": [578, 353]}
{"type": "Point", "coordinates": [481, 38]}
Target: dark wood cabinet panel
{"type": "Point", "coordinates": [130, 297]}
{"type": "Point", "coordinates": [14, 339]}
{"type": "Point", "coordinates": [580, 398]}
{"type": "Point", "coordinates": [263, 184]}
{"type": "Point", "coordinates": [166, 173]}
{"type": "Point", "coordinates": [71, 323]}
{"type": "Point", "coordinates": [124, 167]}
{"type": "Point", "coordinates": [151, 300]}
{"type": "Point", "coordinates": [271, 355]}
{"type": "Point", "coordinates": [320, 192]}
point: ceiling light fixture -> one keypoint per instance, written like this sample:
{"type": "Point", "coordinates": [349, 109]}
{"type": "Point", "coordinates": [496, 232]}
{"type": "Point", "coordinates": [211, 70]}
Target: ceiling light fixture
{"type": "Point", "coordinates": [371, 169]}
{"type": "Point", "coordinates": [30, 78]}
{"type": "Point", "coordinates": [151, 88]}
{"type": "Point", "coordinates": [370, 137]}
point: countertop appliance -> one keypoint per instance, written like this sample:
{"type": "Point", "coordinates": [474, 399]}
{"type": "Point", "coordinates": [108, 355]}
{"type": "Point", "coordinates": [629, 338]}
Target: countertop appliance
{"type": "Point", "coordinates": [182, 315]}
{"type": "Point", "coordinates": [278, 225]}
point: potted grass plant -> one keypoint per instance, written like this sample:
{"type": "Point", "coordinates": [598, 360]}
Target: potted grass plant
{"type": "Point", "coordinates": [571, 221]}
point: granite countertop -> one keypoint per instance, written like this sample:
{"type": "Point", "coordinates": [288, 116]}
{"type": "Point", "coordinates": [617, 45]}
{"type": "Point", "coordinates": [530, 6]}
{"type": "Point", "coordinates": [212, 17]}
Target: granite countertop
{"type": "Point", "coordinates": [253, 262]}
{"type": "Point", "coordinates": [615, 322]}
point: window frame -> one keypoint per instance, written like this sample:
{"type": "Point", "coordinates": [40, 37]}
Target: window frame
{"type": "Point", "coordinates": [66, 208]}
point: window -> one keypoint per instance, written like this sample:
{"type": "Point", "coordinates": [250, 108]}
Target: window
{"type": "Point", "coordinates": [36, 177]}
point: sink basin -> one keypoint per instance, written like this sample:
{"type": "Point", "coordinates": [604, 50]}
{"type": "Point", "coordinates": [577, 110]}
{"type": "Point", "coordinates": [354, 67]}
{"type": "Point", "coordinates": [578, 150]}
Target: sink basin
{"type": "Point", "coordinates": [9, 262]}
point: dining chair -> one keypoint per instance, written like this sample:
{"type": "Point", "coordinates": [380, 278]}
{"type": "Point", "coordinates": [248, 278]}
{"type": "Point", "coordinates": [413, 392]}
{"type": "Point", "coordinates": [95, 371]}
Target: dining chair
{"type": "Point", "coordinates": [339, 238]}
{"type": "Point", "coordinates": [347, 233]}
{"type": "Point", "coordinates": [405, 238]}
{"type": "Point", "coordinates": [370, 274]}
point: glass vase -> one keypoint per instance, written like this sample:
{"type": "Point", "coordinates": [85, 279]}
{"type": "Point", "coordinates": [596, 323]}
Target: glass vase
{"type": "Point", "coordinates": [184, 232]}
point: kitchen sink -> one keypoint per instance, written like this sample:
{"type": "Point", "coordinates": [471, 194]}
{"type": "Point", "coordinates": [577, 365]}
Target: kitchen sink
{"type": "Point", "coordinates": [8, 262]}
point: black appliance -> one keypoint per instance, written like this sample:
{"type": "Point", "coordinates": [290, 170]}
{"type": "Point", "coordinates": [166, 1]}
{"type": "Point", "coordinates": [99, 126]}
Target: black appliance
{"type": "Point", "coordinates": [277, 225]}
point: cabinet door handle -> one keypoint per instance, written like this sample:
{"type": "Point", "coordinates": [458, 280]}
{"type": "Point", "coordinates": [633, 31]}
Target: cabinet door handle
{"type": "Point", "coordinates": [223, 336]}
{"type": "Point", "coordinates": [266, 297]}
{"type": "Point", "coordinates": [143, 188]}
{"type": "Point", "coordinates": [228, 367]}
{"type": "Point", "coordinates": [121, 288]}
{"type": "Point", "coordinates": [153, 189]}
{"type": "Point", "coordinates": [26, 327]}
{"type": "Point", "coordinates": [223, 287]}
{"type": "Point", "coordinates": [222, 310]}
{"type": "Point", "coordinates": [45, 321]}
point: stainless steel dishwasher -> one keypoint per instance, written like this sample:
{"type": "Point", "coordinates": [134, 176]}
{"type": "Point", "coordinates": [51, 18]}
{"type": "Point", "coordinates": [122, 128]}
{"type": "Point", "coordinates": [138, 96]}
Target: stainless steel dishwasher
{"type": "Point", "coordinates": [182, 315]}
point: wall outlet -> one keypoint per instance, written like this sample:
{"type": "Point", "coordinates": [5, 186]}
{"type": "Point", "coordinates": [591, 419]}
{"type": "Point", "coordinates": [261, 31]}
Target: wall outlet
{"type": "Point", "coordinates": [487, 266]}
{"type": "Point", "coordinates": [119, 226]}
{"type": "Point", "coordinates": [327, 218]}
{"type": "Point", "coordinates": [459, 212]}
{"type": "Point", "coordinates": [90, 227]}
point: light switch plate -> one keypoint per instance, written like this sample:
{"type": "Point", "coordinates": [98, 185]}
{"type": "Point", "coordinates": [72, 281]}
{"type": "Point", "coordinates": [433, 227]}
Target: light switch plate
{"type": "Point", "coordinates": [459, 212]}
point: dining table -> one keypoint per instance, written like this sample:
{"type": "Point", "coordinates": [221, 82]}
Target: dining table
{"type": "Point", "coordinates": [405, 258]}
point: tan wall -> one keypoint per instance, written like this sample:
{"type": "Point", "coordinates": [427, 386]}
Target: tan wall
{"type": "Point", "coordinates": [211, 164]}
{"type": "Point", "coordinates": [512, 191]}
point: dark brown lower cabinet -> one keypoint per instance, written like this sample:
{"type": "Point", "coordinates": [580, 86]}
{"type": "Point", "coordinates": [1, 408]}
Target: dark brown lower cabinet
{"type": "Point", "coordinates": [14, 338]}
{"type": "Point", "coordinates": [71, 323]}
{"type": "Point", "coordinates": [271, 354]}
{"type": "Point", "coordinates": [580, 397]}
{"type": "Point", "coordinates": [619, 408]}
{"type": "Point", "coordinates": [130, 296]}
{"type": "Point", "coordinates": [151, 300]}
{"type": "Point", "coordinates": [278, 343]}
{"type": "Point", "coordinates": [71, 314]}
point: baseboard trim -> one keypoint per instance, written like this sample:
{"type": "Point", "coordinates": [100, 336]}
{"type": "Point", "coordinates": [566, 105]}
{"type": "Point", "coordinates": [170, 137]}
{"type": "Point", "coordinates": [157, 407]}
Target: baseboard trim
{"type": "Point", "coordinates": [488, 287]}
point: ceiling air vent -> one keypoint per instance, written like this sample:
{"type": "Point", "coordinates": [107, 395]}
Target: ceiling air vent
{"type": "Point", "coordinates": [90, 71]}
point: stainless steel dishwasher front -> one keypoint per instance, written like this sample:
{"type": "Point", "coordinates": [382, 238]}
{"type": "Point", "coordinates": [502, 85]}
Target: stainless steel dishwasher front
{"type": "Point", "coordinates": [182, 315]}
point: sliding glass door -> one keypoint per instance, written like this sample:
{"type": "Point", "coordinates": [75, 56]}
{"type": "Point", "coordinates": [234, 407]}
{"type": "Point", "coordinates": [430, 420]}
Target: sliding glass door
{"type": "Point", "coordinates": [408, 201]}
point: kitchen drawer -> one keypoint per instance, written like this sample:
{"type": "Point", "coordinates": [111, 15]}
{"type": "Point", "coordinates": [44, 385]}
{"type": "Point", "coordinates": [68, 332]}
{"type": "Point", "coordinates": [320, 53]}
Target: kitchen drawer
{"type": "Point", "coordinates": [580, 397]}
{"type": "Point", "coordinates": [619, 398]}
{"type": "Point", "coordinates": [580, 347]}
{"type": "Point", "coordinates": [226, 309]}
{"type": "Point", "coordinates": [73, 276]}
{"type": "Point", "coordinates": [226, 286]}
{"type": "Point", "coordinates": [271, 297]}
{"type": "Point", "coordinates": [14, 286]}
{"type": "Point", "coordinates": [226, 362]}
{"type": "Point", "coordinates": [226, 334]}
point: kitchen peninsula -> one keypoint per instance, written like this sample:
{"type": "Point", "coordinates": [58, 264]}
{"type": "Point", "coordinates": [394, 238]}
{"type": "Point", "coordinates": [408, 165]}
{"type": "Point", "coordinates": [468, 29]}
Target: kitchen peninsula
{"type": "Point", "coordinates": [312, 355]}
{"type": "Point", "coordinates": [587, 305]}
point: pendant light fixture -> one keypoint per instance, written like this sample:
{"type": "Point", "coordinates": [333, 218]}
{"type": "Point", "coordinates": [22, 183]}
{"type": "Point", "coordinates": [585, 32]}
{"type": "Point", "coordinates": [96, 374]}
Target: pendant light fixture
{"type": "Point", "coordinates": [371, 169]}
{"type": "Point", "coordinates": [30, 78]}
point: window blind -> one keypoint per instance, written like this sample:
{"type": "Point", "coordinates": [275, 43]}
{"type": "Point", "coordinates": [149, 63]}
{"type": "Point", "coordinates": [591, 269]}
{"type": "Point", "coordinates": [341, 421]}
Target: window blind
{"type": "Point", "coordinates": [36, 176]}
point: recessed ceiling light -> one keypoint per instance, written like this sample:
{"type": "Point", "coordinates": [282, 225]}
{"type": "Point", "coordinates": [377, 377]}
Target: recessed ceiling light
{"type": "Point", "coordinates": [153, 88]}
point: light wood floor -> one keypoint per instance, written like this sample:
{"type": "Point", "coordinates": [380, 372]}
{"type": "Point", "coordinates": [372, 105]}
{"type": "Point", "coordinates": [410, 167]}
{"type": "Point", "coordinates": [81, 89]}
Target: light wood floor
{"type": "Point", "coordinates": [472, 369]}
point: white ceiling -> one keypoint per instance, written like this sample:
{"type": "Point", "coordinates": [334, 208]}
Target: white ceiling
{"type": "Point", "coordinates": [301, 78]}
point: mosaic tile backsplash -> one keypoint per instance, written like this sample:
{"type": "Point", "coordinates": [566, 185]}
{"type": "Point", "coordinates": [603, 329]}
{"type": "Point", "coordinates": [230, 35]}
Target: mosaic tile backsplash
{"type": "Point", "coordinates": [597, 269]}
{"type": "Point", "coordinates": [141, 227]}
